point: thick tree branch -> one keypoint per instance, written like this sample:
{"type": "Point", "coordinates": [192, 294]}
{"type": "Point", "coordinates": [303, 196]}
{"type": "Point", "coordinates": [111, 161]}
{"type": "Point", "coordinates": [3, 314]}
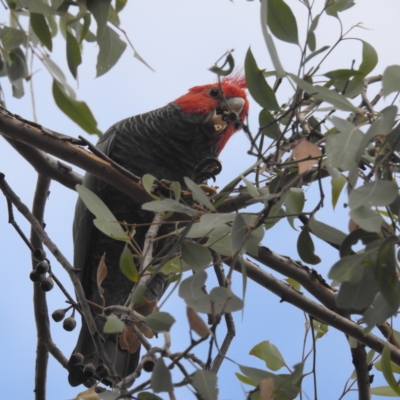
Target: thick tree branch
{"type": "Point", "coordinates": [43, 139]}
{"type": "Point", "coordinates": [46, 165]}
{"type": "Point", "coordinates": [308, 278]}
{"type": "Point", "coordinates": [316, 310]}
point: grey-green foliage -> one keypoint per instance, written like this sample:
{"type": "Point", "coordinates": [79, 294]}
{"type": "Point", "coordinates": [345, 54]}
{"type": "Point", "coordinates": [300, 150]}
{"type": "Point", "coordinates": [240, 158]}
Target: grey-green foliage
{"type": "Point", "coordinates": [91, 21]}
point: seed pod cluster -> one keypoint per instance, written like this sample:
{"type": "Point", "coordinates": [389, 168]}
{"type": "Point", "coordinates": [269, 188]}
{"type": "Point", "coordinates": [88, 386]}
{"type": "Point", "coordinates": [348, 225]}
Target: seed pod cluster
{"type": "Point", "coordinates": [40, 273]}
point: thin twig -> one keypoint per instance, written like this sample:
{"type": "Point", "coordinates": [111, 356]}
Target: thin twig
{"type": "Point", "coordinates": [37, 227]}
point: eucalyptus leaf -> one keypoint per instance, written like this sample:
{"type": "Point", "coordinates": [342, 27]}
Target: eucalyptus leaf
{"type": "Point", "coordinates": [282, 22]}
{"type": "Point", "coordinates": [257, 84]}
{"type": "Point", "coordinates": [322, 93]}
{"type": "Point", "coordinates": [111, 49]}
{"type": "Point", "coordinates": [159, 321]}
{"type": "Point", "coordinates": [195, 256]}
{"type": "Point", "coordinates": [391, 79]}
{"type": "Point", "coordinates": [127, 265]}
{"type": "Point", "coordinates": [205, 383]}
{"type": "Point", "coordinates": [78, 111]}
{"type": "Point", "coordinates": [41, 29]}
{"type": "Point", "coordinates": [161, 379]}
{"type": "Point", "coordinates": [168, 205]}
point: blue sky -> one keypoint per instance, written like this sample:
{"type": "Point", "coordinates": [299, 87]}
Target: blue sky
{"type": "Point", "coordinates": [180, 39]}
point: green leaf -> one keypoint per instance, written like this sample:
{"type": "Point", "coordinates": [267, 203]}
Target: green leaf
{"type": "Point", "coordinates": [159, 321]}
{"type": "Point", "coordinates": [224, 301]}
{"type": "Point", "coordinates": [326, 232]}
{"type": "Point", "coordinates": [315, 53]}
{"type": "Point", "coordinates": [294, 201]}
{"type": "Point", "coordinates": [210, 221]}
{"type": "Point", "coordinates": [269, 353]}
{"type": "Point", "coordinates": [314, 23]}
{"type": "Point", "coordinates": [386, 391]}
{"type": "Point", "coordinates": [305, 247]}
{"type": "Point", "coordinates": [195, 256]}
{"type": "Point", "coordinates": [257, 84]}
{"type": "Point", "coordinates": [391, 80]}
{"type": "Point", "coordinates": [239, 231]}
{"type": "Point", "coordinates": [161, 380]}
{"type": "Point", "coordinates": [382, 125]}
{"type": "Point", "coordinates": [338, 181]}
{"type": "Point", "coordinates": [336, 6]}
{"type": "Point", "coordinates": [245, 379]}
{"type": "Point", "coordinates": [120, 4]}
{"type": "Point", "coordinates": [348, 268]}
{"type": "Point", "coordinates": [127, 265]}
{"type": "Point", "coordinates": [280, 72]}
{"type": "Point", "coordinates": [377, 193]}
{"type": "Point", "coordinates": [192, 287]}
{"type": "Point", "coordinates": [37, 6]}
{"type": "Point", "coordinates": [395, 367]}
{"type": "Point", "coordinates": [358, 295]}
{"type": "Point", "coordinates": [342, 148]}
{"type": "Point", "coordinates": [111, 229]}
{"type": "Point", "coordinates": [78, 111]}
{"type": "Point", "coordinates": [97, 207]}
{"type": "Point", "coordinates": [17, 69]}
{"type": "Point", "coordinates": [57, 74]}
{"type": "Point", "coordinates": [11, 38]}
{"type": "Point", "coordinates": [282, 22]}
{"type": "Point", "coordinates": [387, 271]}
{"type": "Point", "coordinates": [111, 49]}
{"type": "Point", "coordinates": [113, 16]}
{"type": "Point", "coordinates": [113, 325]}
{"type": "Point", "coordinates": [205, 383]}
{"type": "Point", "coordinates": [99, 9]}
{"type": "Point", "coordinates": [379, 312]}
{"type": "Point", "coordinates": [147, 182]}
{"type": "Point", "coordinates": [147, 396]}
{"type": "Point", "coordinates": [311, 41]}
{"type": "Point", "coordinates": [198, 194]}
{"type": "Point", "coordinates": [74, 58]}
{"type": "Point", "coordinates": [85, 27]}
{"type": "Point", "coordinates": [387, 370]}
{"type": "Point", "coordinates": [322, 93]}
{"type": "Point", "coordinates": [251, 189]}
{"type": "Point", "coordinates": [41, 29]}
{"type": "Point", "coordinates": [367, 219]}
{"type": "Point", "coordinates": [370, 59]}
{"type": "Point", "coordinates": [343, 74]}
{"type": "Point", "coordinates": [271, 129]}
{"type": "Point", "coordinates": [254, 374]}
{"type": "Point", "coordinates": [168, 205]}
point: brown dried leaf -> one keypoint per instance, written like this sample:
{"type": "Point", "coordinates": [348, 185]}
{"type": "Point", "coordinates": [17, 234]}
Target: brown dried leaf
{"type": "Point", "coordinates": [129, 341]}
{"type": "Point", "coordinates": [266, 387]}
{"type": "Point", "coordinates": [196, 323]}
{"type": "Point", "coordinates": [146, 331]}
{"type": "Point", "coordinates": [101, 274]}
{"type": "Point", "coordinates": [303, 150]}
{"type": "Point", "coordinates": [146, 307]}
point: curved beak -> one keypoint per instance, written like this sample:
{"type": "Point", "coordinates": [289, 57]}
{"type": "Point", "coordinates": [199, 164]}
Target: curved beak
{"type": "Point", "coordinates": [234, 104]}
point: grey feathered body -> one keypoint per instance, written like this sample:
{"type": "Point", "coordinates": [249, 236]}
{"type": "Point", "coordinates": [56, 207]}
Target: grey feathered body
{"type": "Point", "coordinates": [165, 143]}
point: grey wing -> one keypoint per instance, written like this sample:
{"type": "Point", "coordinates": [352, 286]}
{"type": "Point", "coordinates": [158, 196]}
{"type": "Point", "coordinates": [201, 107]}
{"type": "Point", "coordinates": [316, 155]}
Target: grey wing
{"type": "Point", "coordinates": [83, 228]}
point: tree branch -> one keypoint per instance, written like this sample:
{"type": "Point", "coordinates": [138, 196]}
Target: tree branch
{"type": "Point", "coordinates": [46, 165]}
{"type": "Point", "coordinates": [39, 296]}
{"type": "Point", "coordinates": [36, 226]}
{"type": "Point", "coordinates": [318, 311]}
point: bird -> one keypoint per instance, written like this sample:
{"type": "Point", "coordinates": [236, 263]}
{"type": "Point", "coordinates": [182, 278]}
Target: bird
{"type": "Point", "coordinates": [169, 143]}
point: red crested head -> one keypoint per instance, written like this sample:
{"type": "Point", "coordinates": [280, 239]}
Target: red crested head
{"type": "Point", "coordinates": [213, 100]}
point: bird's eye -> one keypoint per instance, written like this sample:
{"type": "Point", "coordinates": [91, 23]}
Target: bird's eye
{"type": "Point", "coordinates": [214, 92]}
